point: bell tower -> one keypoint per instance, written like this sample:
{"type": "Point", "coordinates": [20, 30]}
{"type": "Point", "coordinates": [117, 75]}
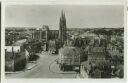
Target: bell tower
{"type": "Point", "coordinates": [62, 28]}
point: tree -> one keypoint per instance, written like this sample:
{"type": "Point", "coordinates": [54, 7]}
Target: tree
{"type": "Point", "coordinates": [78, 42]}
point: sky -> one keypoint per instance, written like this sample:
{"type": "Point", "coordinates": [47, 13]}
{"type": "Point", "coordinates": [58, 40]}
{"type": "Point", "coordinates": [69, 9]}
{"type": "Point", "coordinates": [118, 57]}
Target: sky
{"type": "Point", "coordinates": [77, 16]}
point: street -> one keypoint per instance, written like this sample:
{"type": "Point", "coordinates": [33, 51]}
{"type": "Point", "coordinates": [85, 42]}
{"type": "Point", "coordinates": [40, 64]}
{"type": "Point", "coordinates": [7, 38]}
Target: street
{"type": "Point", "coordinates": [46, 67]}
{"type": "Point", "coordinates": [58, 41]}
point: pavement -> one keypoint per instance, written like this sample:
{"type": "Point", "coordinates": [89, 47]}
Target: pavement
{"type": "Point", "coordinates": [31, 65]}
{"type": "Point", "coordinates": [46, 67]}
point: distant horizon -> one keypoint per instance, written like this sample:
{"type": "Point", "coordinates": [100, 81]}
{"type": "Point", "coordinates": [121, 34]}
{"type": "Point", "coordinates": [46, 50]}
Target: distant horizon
{"type": "Point", "coordinates": [67, 28]}
{"type": "Point", "coordinates": [100, 16]}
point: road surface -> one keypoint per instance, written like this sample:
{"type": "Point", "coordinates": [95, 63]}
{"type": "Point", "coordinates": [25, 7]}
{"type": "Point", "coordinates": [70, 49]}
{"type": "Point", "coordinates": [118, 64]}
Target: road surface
{"type": "Point", "coordinates": [46, 67]}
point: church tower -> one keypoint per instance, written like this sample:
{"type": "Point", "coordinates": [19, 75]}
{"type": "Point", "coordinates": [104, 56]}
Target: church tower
{"type": "Point", "coordinates": [62, 28]}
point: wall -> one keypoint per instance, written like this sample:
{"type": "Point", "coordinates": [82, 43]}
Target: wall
{"type": "Point", "coordinates": [9, 61]}
{"type": "Point", "coordinates": [15, 61]}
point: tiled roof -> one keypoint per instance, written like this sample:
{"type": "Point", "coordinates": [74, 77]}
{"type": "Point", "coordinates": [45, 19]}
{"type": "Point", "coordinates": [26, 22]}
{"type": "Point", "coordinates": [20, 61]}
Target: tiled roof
{"type": "Point", "coordinates": [98, 49]}
{"type": "Point", "coordinates": [19, 43]}
{"type": "Point", "coordinates": [70, 51]}
{"type": "Point", "coordinates": [113, 53]}
{"type": "Point", "coordinates": [97, 53]}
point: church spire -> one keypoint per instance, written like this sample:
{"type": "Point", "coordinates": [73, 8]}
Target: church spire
{"type": "Point", "coordinates": [62, 14]}
{"type": "Point", "coordinates": [63, 28]}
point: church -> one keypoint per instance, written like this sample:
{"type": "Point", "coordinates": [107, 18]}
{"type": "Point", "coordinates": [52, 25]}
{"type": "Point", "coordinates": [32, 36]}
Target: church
{"type": "Point", "coordinates": [44, 34]}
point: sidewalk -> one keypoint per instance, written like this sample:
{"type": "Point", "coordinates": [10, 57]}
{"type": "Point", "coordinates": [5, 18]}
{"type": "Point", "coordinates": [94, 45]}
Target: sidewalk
{"type": "Point", "coordinates": [79, 76]}
{"type": "Point", "coordinates": [29, 66]}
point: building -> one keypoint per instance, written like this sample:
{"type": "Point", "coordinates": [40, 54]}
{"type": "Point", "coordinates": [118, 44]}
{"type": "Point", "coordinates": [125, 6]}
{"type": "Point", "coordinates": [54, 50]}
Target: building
{"type": "Point", "coordinates": [96, 53]}
{"type": "Point", "coordinates": [96, 66]}
{"type": "Point", "coordinates": [52, 48]}
{"type": "Point", "coordinates": [54, 34]}
{"type": "Point", "coordinates": [85, 68]}
{"type": "Point", "coordinates": [62, 29]}
{"type": "Point", "coordinates": [45, 35]}
{"type": "Point", "coordinates": [41, 33]}
{"type": "Point", "coordinates": [16, 56]}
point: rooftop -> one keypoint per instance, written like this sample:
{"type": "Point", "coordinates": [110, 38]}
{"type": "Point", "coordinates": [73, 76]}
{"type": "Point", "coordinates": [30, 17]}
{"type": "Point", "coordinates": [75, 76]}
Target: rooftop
{"type": "Point", "coordinates": [19, 42]}
{"type": "Point", "coordinates": [15, 49]}
{"type": "Point", "coordinates": [98, 49]}
{"type": "Point", "coordinates": [70, 51]}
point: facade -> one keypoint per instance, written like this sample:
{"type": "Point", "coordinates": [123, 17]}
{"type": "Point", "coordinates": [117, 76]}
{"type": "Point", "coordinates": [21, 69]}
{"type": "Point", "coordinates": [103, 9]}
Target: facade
{"type": "Point", "coordinates": [16, 57]}
{"type": "Point", "coordinates": [96, 53]}
{"type": "Point", "coordinates": [44, 35]}
{"type": "Point", "coordinates": [69, 58]}
{"type": "Point", "coordinates": [96, 59]}
{"type": "Point", "coordinates": [41, 33]}
{"type": "Point", "coordinates": [54, 34]}
{"type": "Point", "coordinates": [116, 50]}
{"type": "Point", "coordinates": [52, 47]}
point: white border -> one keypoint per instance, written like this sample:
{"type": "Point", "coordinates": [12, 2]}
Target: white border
{"type": "Point", "coordinates": [62, 2]}
{"type": "Point", "coordinates": [37, 80]}
{"type": "Point", "coordinates": [2, 43]}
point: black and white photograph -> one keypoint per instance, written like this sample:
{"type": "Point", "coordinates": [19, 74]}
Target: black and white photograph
{"type": "Point", "coordinates": [0, 41]}
{"type": "Point", "coordinates": [64, 41]}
